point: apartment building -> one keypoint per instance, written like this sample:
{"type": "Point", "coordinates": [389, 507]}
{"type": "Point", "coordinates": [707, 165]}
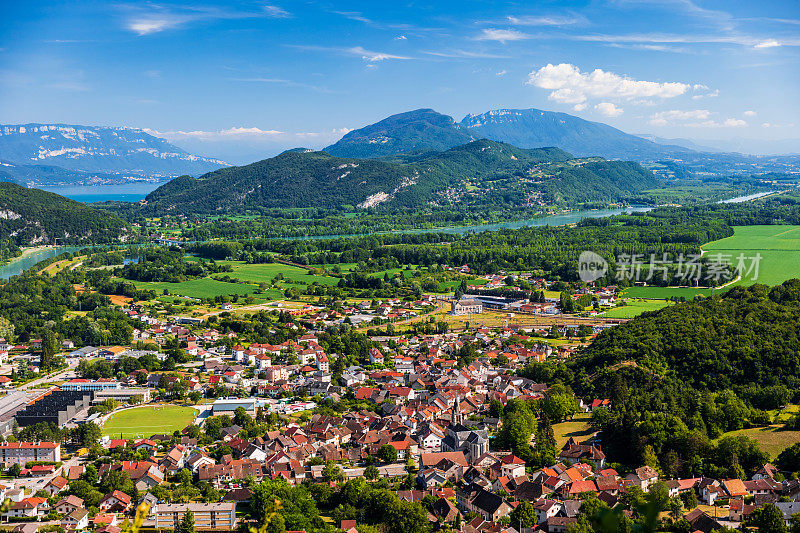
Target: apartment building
{"type": "Point", "coordinates": [207, 516]}
{"type": "Point", "coordinates": [23, 452]}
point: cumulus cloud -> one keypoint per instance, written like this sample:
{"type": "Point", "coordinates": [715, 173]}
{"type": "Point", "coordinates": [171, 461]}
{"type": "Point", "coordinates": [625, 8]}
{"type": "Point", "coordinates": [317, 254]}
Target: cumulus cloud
{"type": "Point", "coordinates": [569, 85]}
{"type": "Point", "coordinates": [579, 107]}
{"type": "Point", "coordinates": [502, 36]}
{"type": "Point", "coordinates": [697, 118]}
{"type": "Point", "coordinates": [608, 109]}
{"type": "Point", "coordinates": [502, 72]}
{"type": "Point", "coordinates": [749, 113]}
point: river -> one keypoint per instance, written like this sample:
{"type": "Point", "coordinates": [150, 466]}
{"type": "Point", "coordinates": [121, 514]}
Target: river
{"type": "Point", "coordinates": [561, 219]}
{"type": "Point", "coordinates": [740, 199]}
{"type": "Point", "coordinates": [19, 265]}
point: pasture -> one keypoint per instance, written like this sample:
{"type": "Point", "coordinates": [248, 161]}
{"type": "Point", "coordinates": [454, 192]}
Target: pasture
{"type": "Point", "coordinates": [635, 307]}
{"type": "Point", "coordinates": [779, 247]}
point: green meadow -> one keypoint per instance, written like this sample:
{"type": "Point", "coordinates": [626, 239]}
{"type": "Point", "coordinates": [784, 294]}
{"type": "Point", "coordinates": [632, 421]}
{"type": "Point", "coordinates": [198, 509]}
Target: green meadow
{"type": "Point", "coordinates": [779, 247]}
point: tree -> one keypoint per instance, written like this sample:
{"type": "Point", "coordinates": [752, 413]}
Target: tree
{"type": "Point", "coordinates": [187, 523]}
{"type": "Point", "coordinates": [332, 472]}
{"type": "Point", "coordinates": [49, 349]}
{"type": "Point", "coordinates": [87, 434]}
{"type": "Point", "coordinates": [769, 519]}
{"type": "Point", "coordinates": [195, 396]}
{"type": "Point", "coordinates": [524, 515]}
{"type": "Point", "coordinates": [387, 453]}
{"type": "Point", "coordinates": [371, 472]}
{"type": "Point", "coordinates": [14, 470]}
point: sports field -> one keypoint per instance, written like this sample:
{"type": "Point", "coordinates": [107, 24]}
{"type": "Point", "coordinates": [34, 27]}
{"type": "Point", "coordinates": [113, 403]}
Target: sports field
{"type": "Point", "coordinates": [779, 247]}
{"type": "Point", "coordinates": [141, 422]}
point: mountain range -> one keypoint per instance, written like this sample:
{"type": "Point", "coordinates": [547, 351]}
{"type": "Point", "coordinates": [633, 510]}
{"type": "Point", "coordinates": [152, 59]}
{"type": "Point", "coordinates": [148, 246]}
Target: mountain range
{"type": "Point", "coordinates": [425, 129]}
{"type": "Point", "coordinates": [480, 172]}
{"type": "Point", "coordinates": [55, 154]}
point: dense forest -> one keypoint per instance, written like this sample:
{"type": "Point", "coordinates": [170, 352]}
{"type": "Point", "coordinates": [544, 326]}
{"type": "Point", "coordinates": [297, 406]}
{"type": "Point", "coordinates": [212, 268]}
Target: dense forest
{"type": "Point", "coordinates": [680, 377]}
{"type": "Point", "coordinates": [34, 216]}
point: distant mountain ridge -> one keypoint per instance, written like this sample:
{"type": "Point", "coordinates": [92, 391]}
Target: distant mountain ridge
{"type": "Point", "coordinates": [422, 129]}
{"type": "Point", "coordinates": [482, 172]}
{"type": "Point", "coordinates": [64, 153]}
{"type": "Point", "coordinates": [425, 129]}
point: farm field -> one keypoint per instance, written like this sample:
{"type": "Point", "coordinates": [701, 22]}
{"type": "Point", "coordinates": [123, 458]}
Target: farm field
{"type": "Point", "coordinates": [635, 307]}
{"type": "Point", "coordinates": [662, 293]}
{"type": "Point", "coordinates": [147, 421]}
{"type": "Point", "coordinates": [257, 273]}
{"type": "Point", "coordinates": [198, 288]}
{"type": "Point", "coordinates": [779, 247]}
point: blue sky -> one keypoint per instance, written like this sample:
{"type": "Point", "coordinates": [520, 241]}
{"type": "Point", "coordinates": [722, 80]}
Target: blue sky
{"type": "Point", "coordinates": [239, 79]}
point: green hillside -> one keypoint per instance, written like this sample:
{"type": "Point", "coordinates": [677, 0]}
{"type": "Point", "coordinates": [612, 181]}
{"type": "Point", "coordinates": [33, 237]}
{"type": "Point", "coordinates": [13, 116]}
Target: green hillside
{"type": "Point", "coordinates": [29, 216]}
{"type": "Point", "coordinates": [477, 173]}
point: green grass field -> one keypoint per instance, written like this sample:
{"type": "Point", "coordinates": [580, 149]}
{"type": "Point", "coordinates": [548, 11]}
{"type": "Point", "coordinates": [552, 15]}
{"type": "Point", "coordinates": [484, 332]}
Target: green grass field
{"type": "Point", "coordinates": [142, 422]}
{"type": "Point", "coordinates": [779, 247]}
{"type": "Point", "coordinates": [198, 288]}
{"type": "Point", "coordinates": [771, 439]}
{"type": "Point", "coordinates": [577, 428]}
{"type": "Point", "coordinates": [266, 271]}
{"type": "Point", "coordinates": [635, 307]}
{"type": "Point", "coordinates": [665, 292]}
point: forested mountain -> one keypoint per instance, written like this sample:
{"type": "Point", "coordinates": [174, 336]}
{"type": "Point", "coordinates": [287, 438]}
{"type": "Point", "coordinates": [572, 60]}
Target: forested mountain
{"type": "Point", "coordinates": [33, 216]}
{"type": "Point", "coordinates": [422, 129]}
{"type": "Point", "coordinates": [479, 172]}
{"type": "Point", "coordinates": [63, 153]}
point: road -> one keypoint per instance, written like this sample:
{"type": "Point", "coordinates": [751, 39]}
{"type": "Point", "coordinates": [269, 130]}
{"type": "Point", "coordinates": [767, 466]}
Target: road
{"type": "Point", "coordinates": [67, 373]}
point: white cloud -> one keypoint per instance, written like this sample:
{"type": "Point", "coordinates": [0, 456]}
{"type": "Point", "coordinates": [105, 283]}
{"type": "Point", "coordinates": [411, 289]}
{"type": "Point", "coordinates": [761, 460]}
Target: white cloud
{"type": "Point", "coordinates": [464, 54]}
{"type": "Point", "coordinates": [749, 113]}
{"type": "Point", "coordinates": [249, 134]}
{"type": "Point", "coordinates": [579, 107]}
{"type": "Point", "coordinates": [551, 20]}
{"type": "Point", "coordinates": [697, 118]}
{"type": "Point", "coordinates": [766, 125]}
{"type": "Point", "coordinates": [400, 38]}
{"type": "Point", "coordinates": [276, 12]}
{"type": "Point", "coordinates": [569, 85]}
{"type": "Point", "coordinates": [502, 72]}
{"type": "Point", "coordinates": [371, 56]}
{"type": "Point", "coordinates": [711, 94]}
{"type": "Point", "coordinates": [770, 43]}
{"type": "Point", "coordinates": [153, 18]}
{"type": "Point", "coordinates": [608, 109]}
{"type": "Point", "coordinates": [502, 36]}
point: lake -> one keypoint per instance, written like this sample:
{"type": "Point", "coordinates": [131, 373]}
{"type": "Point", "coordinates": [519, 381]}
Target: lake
{"type": "Point", "coordinates": [124, 192]}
